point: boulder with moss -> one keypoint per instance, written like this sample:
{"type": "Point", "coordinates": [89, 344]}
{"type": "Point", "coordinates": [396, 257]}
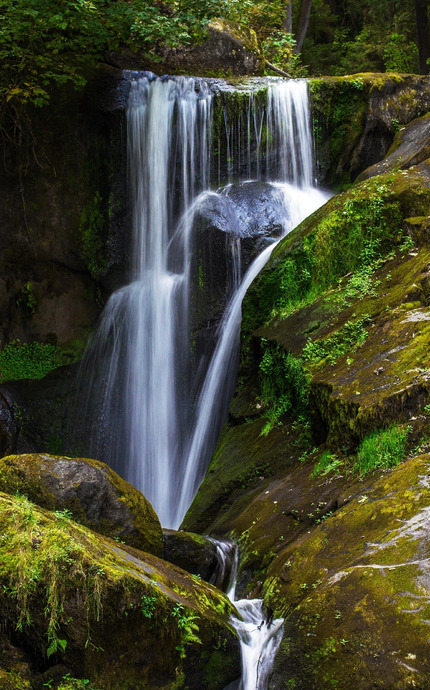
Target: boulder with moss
{"type": "Point", "coordinates": [106, 612]}
{"type": "Point", "coordinates": [357, 116]}
{"type": "Point", "coordinates": [227, 50]}
{"type": "Point", "coordinates": [88, 490]}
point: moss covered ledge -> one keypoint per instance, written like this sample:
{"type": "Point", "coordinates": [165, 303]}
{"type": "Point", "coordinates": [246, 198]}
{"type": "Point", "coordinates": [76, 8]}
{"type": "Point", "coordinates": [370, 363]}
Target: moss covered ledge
{"type": "Point", "coordinates": [107, 612]}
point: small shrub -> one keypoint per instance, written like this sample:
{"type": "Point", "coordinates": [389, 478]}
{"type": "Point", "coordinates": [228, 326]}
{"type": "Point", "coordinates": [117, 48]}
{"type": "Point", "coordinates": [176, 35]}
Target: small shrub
{"type": "Point", "coordinates": [147, 605]}
{"type": "Point", "coordinates": [352, 335]}
{"type": "Point", "coordinates": [382, 449]}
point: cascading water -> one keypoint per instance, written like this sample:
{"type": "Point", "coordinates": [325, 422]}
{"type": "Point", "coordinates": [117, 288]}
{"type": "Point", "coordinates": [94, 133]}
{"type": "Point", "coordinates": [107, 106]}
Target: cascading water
{"type": "Point", "coordinates": [138, 369]}
{"type": "Point", "coordinates": [259, 637]}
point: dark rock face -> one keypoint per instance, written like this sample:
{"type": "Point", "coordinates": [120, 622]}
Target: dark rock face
{"type": "Point", "coordinates": [195, 554]}
{"type": "Point", "coordinates": [357, 117]}
{"type": "Point", "coordinates": [41, 415]}
{"type": "Point", "coordinates": [62, 201]}
{"type": "Point", "coordinates": [229, 50]}
{"type": "Point", "coordinates": [91, 491]}
{"type": "Point", "coordinates": [411, 146]}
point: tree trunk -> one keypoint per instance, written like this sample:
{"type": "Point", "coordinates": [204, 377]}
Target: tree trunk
{"type": "Point", "coordinates": [302, 27]}
{"type": "Point", "coordinates": [422, 25]}
{"type": "Point", "coordinates": [287, 24]}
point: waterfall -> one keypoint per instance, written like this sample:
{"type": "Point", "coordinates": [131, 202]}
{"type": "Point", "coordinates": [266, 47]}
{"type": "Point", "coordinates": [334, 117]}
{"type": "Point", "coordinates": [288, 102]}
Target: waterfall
{"type": "Point", "coordinates": [152, 426]}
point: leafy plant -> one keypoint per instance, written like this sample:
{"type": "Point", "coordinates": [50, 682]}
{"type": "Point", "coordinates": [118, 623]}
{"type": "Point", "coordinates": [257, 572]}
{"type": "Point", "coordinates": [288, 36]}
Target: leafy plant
{"type": "Point", "coordinates": [283, 384]}
{"type": "Point", "coordinates": [382, 449]}
{"type": "Point", "coordinates": [26, 297]}
{"type": "Point", "coordinates": [147, 605]}
{"type": "Point", "coordinates": [187, 627]}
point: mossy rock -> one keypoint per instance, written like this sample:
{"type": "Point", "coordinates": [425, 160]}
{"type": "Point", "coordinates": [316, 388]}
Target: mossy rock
{"type": "Point", "coordinates": [191, 552]}
{"type": "Point", "coordinates": [227, 50]}
{"type": "Point", "coordinates": [411, 146]}
{"type": "Point", "coordinates": [107, 612]}
{"type": "Point", "coordinates": [93, 493]}
{"type": "Point", "coordinates": [357, 116]}
{"type": "Point", "coordinates": [355, 590]}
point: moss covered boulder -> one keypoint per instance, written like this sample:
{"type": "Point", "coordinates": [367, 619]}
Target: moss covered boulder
{"type": "Point", "coordinates": [357, 116]}
{"type": "Point", "coordinates": [227, 50]}
{"type": "Point", "coordinates": [192, 552]}
{"type": "Point", "coordinates": [355, 590]}
{"type": "Point", "coordinates": [105, 612]}
{"type": "Point", "coordinates": [87, 490]}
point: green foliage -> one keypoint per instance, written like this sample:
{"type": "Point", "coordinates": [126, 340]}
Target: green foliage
{"type": "Point", "coordinates": [283, 384]}
{"type": "Point", "coordinates": [28, 360]}
{"type": "Point", "coordinates": [26, 297]}
{"type": "Point", "coordinates": [147, 605]}
{"type": "Point", "coordinates": [278, 48]}
{"type": "Point", "coordinates": [187, 628]}
{"type": "Point", "coordinates": [351, 37]}
{"type": "Point", "coordinates": [326, 464]}
{"type": "Point", "coordinates": [400, 55]}
{"type": "Point", "coordinates": [346, 339]}
{"type": "Point", "coordinates": [382, 449]}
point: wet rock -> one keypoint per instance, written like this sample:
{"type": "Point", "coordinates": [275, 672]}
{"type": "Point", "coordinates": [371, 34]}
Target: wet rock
{"type": "Point", "coordinates": [195, 554]}
{"type": "Point", "coordinates": [106, 612]}
{"type": "Point", "coordinates": [92, 492]}
{"type": "Point", "coordinates": [354, 592]}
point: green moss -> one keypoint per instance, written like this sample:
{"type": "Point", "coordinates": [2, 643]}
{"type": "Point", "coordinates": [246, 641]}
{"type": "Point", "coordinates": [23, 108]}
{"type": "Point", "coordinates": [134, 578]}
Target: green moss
{"type": "Point", "coordinates": [13, 681]}
{"type": "Point", "coordinates": [28, 360]}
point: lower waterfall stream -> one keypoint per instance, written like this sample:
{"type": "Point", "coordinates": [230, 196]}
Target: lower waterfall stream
{"type": "Point", "coordinates": [260, 636]}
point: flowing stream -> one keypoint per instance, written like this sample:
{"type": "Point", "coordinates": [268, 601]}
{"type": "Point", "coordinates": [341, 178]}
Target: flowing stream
{"type": "Point", "coordinates": [260, 636]}
{"type": "Point", "coordinates": [155, 425]}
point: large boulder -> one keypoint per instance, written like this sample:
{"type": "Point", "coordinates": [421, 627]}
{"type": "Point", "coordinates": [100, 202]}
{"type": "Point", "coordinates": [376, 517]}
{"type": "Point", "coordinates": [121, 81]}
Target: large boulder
{"type": "Point", "coordinates": [88, 490]}
{"type": "Point", "coordinates": [228, 50]}
{"type": "Point", "coordinates": [357, 116]}
{"type": "Point", "coordinates": [411, 146]}
{"type": "Point", "coordinates": [87, 606]}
